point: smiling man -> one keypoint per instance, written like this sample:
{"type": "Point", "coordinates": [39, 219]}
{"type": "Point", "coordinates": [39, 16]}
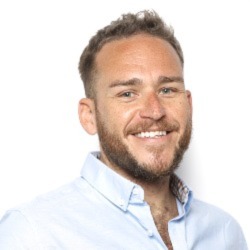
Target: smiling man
{"type": "Point", "coordinates": [142, 112]}
{"type": "Point", "coordinates": [128, 196]}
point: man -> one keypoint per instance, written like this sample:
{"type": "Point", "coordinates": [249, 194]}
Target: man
{"type": "Point", "coordinates": [128, 196]}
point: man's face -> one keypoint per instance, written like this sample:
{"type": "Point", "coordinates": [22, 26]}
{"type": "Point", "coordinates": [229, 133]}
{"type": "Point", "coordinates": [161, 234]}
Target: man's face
{"type": "Point", "coordinates": [143, 112]}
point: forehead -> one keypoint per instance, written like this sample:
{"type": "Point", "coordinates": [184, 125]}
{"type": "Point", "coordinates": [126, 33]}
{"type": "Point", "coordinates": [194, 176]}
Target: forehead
{"type": "Point", "coordinates": [137, 56]}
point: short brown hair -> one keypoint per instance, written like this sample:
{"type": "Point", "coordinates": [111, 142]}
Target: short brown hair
{"type": "Point", "coordinates": [147, 22]}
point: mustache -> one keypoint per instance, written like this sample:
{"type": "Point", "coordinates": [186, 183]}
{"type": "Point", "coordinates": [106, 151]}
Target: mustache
{"type": "Point", "coordinates": [144, 126]}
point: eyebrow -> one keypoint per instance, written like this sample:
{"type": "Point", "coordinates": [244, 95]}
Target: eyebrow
{"type": "Point", "coordinates": [130, 82]}
{"type": "Point", "coordinates": [137, 81]}
{"type": "Point", "coordinates": [167, 79]}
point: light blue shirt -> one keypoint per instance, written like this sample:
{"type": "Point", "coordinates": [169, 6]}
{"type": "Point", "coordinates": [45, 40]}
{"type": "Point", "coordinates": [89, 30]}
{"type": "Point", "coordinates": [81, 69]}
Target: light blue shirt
{"type": "Point", "coordinates": [103, 210]}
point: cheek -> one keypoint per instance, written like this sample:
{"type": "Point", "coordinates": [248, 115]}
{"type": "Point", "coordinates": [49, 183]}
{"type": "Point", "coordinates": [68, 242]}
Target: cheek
{"type": "Point", "coordinates": [121, 112]}
{"type": "Point", "coordinates": [114, 117]}
{"type": "Point", "coordinates": [181, 111]}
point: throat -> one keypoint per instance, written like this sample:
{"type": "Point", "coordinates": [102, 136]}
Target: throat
{"type": "Point", "coordinates": [161, 218]}
{"type": "Point", "coordinates": [162, 212]}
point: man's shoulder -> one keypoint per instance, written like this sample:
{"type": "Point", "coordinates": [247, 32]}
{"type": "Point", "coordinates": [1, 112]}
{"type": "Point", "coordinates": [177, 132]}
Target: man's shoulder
{"type": "Point", "coordinates": [204, 209]}
{"type": "Point", "coordinates": [216, 223]}
{"type": "Point", "coordinates": [53, 202]}
{"type": "Point", "coordinates": [30, 223]}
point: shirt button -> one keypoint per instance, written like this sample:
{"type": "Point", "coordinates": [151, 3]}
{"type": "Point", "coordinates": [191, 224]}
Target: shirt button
{"type": "Point", "coordinates": [121, 202]}
{"type": "Point", "coordinates": [136, 191]}
{"type": "Point", "coordinates": [150, 233]}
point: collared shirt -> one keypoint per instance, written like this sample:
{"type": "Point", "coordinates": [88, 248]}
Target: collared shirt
{"type": "Point", "coordinates": [103, 210]}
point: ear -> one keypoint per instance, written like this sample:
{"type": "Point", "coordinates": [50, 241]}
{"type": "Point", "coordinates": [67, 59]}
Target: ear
{"type": "Point", "coordinates": [189, 98]}
{"type": "Point", "coordinates": [86, 111]}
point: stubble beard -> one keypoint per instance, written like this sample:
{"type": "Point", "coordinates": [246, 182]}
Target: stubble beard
{"type": "Point", "coordinates": [120, 156]}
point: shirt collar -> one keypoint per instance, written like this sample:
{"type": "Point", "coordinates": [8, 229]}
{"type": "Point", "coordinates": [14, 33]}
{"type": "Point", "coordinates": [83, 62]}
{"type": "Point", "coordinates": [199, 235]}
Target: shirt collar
{"type": "Point", "coordinates": [113, 186]}
{"type": "Point", "coordinates": [182, 193]}
{"type": "Point", "coordinates": [119, 190]}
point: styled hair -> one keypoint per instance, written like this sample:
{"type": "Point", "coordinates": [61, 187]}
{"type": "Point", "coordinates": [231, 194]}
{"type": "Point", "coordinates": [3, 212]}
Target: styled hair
{"type": "Point", "coordinates": [144, 22]}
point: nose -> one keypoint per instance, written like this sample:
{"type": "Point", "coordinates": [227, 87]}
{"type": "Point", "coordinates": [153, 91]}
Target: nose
{"type": "Point", "coordinates": [152, 107]}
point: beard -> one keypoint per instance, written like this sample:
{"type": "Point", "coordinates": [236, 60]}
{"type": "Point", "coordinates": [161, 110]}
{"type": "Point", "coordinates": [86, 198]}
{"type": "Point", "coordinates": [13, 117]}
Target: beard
{"type": "Point", "coordinates": [119, 155]}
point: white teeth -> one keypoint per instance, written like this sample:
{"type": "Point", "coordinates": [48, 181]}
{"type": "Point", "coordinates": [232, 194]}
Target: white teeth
{"type": "Point", "coordinates": [151, 134]}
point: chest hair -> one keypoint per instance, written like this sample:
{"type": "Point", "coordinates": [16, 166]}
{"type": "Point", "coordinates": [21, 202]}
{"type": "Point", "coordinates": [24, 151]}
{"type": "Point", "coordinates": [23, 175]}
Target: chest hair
{"type": "Point", "coordinates": [161, 219]}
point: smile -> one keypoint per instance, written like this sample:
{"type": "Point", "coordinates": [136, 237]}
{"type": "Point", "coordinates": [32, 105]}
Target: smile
{"type": "Point", "coordinates": [151, 134]}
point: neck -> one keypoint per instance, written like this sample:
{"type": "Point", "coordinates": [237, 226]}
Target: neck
{"type": "Point", "coordinates": [158, 194]}
{"type": "Point", "coordinates": [159, 197]}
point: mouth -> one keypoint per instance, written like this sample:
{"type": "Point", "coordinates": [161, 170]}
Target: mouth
{"type": "Point", "coordinates": [151, 134]}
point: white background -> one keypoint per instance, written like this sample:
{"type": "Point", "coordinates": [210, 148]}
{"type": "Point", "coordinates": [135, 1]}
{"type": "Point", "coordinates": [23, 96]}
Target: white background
{"type": "Point", "coordinates": [42, 144]}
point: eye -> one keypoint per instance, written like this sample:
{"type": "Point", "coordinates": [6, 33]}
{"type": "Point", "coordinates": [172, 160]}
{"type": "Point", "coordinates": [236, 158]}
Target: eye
{"type": "Point", "coordinates": [127, 94]}
{"type": "Point", "coordinates": [167, 91]}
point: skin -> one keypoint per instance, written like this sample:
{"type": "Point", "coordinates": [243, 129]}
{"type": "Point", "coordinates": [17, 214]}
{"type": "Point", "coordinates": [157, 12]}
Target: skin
{"type": "Point", "coordinates": [140, 88]}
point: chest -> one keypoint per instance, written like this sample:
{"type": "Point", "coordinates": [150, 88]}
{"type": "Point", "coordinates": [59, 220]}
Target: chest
{"type": "Point", "coordinates": [161, 220]}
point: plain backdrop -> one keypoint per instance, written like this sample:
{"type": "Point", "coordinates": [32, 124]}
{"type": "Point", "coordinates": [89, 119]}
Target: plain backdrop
{"type": "Point", "coordinates": [43, 146]}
